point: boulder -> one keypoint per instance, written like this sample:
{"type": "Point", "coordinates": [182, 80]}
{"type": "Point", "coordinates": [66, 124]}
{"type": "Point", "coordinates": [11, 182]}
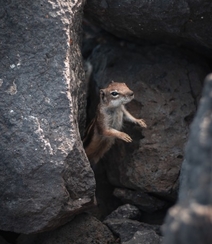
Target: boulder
{"type": "Point", "coordinates": [142, 200]}
{"type": "Point", "coordinates": [82, 229]}
{"type": "Point", "coordinates": [167, 83]}
{"type": "Point", "coordinates": [144, 237]}
{"type": "Point", "coordinates": [126, 229]}
{"type": "Point", "coordinates": [126, 211]}
{"type": "Point", "coordinates": [190, 220]}
{"type": "Point", "coordinates": [124, 222]}
{"type": "Point", "coordinates": [182, 22]}
{"type": "Point", "coordinates": [45, 176]}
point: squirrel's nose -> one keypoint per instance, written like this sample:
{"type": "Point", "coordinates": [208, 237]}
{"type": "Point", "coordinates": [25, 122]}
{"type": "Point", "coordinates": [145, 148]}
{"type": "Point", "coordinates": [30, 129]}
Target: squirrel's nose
{"type": "Point", "coordinates": [131, 94]}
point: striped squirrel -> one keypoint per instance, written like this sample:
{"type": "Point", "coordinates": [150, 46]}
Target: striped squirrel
{"type": "Point", "coordinates": [105, 127]}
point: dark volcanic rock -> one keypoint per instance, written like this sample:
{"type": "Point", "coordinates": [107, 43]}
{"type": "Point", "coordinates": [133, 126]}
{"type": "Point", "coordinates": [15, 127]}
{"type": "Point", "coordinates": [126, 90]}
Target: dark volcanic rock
{"type": "Point", "coordinates": [190, 221]}
{"type": "Point", "coordinates": [83, 229]}
{"type": "Point", "coordinates": [142, 200]}
{"type": "Point", "coordinates": [126, 211]}
{"type": "Point", "coordinates": [45, 177]}
{"type": "Point", "coordinates": [126, 228]}
{"type": "Point", "coordinates": [144, 237]}
{"type": "Point", "coordinates": [177, 21]}
{"type": "Point", "coordinates": [167, 84]}
{"type": "Point", "coordinates": [123, 222]}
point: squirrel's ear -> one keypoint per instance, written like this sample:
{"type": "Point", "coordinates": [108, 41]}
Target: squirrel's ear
{"type": "Point", "coordinates": [102, 94]}
{"type": "Point", "coordinates": [112, 81]}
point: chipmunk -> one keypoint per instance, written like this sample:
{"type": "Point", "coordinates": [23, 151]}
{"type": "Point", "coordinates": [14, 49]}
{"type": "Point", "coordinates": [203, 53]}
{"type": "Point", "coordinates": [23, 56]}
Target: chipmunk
{"type": "Point", "coordinates": [105, 127]}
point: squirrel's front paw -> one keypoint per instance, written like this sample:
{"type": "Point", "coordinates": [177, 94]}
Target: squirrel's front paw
{"type": "Point", "coordinates": [142, 123]}
{"type": "Point", "coordinates": [125, 137]}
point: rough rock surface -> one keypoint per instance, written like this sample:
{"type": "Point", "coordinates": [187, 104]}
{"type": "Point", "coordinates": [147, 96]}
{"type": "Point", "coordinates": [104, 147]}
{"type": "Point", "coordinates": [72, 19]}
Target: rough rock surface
{"type": "Point", "coordinates": [167, 84]}
{"type": "Point", "coordinates": [126, 211]}
{"type": "Point", "coordinates": [124, 222]}
{"type": "Point", "coordinates": [142, 200]}
{"type": "Point", "coordinates": [178, 21]}
{"type": "Point", "coordinates": [45, 177]}
{"type": "Point", "coordinates": [144, 237]}
{"type": "Point", "coordinates": [126, 228]}
{"type": "Point", "coordinates": [81, 230]}
{"type": "Point", "coordinates": [190, 221]}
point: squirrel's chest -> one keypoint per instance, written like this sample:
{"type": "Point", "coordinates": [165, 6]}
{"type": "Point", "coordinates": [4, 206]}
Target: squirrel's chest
{"type": "Point", "coordinates": [116, 119]}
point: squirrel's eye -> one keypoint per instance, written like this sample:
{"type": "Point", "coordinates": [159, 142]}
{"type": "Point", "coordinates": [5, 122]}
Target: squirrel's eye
{"type": "Point", "coordinates": [115, 94]}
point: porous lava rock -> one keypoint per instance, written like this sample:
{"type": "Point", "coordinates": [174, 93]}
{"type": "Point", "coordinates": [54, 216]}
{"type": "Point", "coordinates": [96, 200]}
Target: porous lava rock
{"type": "Point", "coordinates": [82, 229]}
{"type": "Point", "coordinates": [184, 22]}
{"type": "Point", "coordinates": [45, 176]}
{"type": "Point", "coordinates": [190, 220]}
{"type": "Point", "coordinates": [167, 83]}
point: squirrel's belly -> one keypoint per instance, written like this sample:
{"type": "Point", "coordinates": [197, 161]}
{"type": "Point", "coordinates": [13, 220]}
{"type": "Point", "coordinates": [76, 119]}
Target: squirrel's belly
{"type": "Point", "coordinates": [117, 121]}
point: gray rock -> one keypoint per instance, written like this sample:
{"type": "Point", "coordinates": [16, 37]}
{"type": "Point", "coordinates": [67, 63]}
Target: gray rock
{"type": "Point", "coordinates": [126, 211]}
{"type": "Point", "coordinates": [145, 237]}
{"type": "Point", "coordinates": [126, 228]}
{"type": "Point", "coordinates": [190, 220]}
{"type": "Point", "coordinates": [83, 229]}
{"type": "Point", "coordinates": [45, 177]}
{"type": "Point", "coordinates": [183, 21]}
{"type": "Point", "coordinates": [167, 84]}
{"type": "Point", "coordinates": [142, 200]}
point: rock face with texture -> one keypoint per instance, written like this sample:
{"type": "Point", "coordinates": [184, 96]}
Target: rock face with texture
{"type": "Point", "coordinates": [178, 21]}
{"type": "Point", "coordinates": [126, 211]}
{"type": "Point", "coordinates": [190, 221]}
{"type": "Point", "coordinates": [124, 224]}
{"type": "Point", "coordinates": [167, 84]}
{"type": "Point", "coordinates": [45, 177]}
{"type": "Point", "coordinates": [82, 229]}
{"type": "Point", "coordinates": [145, 236]}
{"type": "Point", "coordinates": [142, 200]}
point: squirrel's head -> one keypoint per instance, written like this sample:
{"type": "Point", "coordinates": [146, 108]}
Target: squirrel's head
{"type": "Point", "coordinates": [116, 94]}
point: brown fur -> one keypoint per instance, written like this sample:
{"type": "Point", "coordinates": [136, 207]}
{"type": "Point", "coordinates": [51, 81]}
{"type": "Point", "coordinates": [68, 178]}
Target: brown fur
{"type": "Point", "coordinates": [105, 127]}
